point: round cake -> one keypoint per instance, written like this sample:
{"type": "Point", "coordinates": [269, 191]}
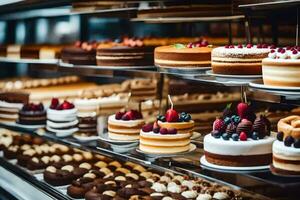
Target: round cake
{"type": "Point", "coordinates": [282, 67]}
{"type": "Point", "coordinates": [32, 114]}
{"type": "Point", "coordinates": [239, 139]}
{"type": "Point", "coordinates": [87, 110]}
{"type": "Point", "coordinates": [129, 52]}
{"type": "Point", "coordinates": [192, 55]}
{"type": "Point", "coordinates": [125, 126]}
{"type": "Point", "coordinates": [81, 53]}
{"type": "Point", "coordinates": [286, 149]}
{"type": "Point", "coordinates": [170, 134]}
{"type": "Point", "coordinates": [239, 59]}
{"type": "Point", "coordinates": [62, 118]}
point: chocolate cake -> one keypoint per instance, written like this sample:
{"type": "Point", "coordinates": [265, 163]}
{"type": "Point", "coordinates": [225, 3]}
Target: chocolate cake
{"type": "Point", "coordinates": [32, 114]}
{"type": "Point", "coordinates": [128, 52]}
{"type": "Point", "coordinates": [81, 53]}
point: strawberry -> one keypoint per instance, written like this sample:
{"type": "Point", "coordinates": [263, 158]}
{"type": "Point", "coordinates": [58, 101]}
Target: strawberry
{"type": "Point", "coordinates": [125, 117]}
{"type": "Point", "coordinates": [219, 125]}
{"type": "Point", "coordinates": [54, 103]}
{"type": "Point", "coordinates": [163, 131]}
{"type": "Point", "coordinates": [67, 105]}
{"type": "Point", "coordinates": [243, 136]}
{"type": "Point", "coordinates": [172, 116]}
{"type": "Point", "coordinates": [147, 128]}
{"type": "Point", "coordinates": [119, 115]}
{"type": "Point", "coordinates": [242, 110]}
{"type": "Point", "coordinates": [172, 131]}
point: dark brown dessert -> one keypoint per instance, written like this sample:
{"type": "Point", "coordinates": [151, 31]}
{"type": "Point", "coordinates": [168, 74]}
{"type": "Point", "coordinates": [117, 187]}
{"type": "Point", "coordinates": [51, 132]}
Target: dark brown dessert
{"type": "Point", "coordinates": [32, 114]}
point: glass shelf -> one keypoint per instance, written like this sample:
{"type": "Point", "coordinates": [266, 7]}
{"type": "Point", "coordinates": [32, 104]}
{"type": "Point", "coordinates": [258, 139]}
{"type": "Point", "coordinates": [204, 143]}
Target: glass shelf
{"type": "Point", "coordinates": [188, 164]}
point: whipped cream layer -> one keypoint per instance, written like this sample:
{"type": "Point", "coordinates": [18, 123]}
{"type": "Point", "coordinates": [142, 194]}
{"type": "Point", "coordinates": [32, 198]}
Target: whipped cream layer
{"type": "Point", "coordinates": [130, 123]}
{"type": "Point", "coordinates": [236, 148]}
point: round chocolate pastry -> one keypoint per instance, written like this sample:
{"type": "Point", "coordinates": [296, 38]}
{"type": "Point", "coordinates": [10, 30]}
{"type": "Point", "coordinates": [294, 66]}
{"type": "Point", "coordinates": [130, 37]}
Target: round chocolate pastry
{"type": "Point", "coordinates": [80, 187]}
{"type": "Point", "coordinates": [32, 114]}
{"type": "Point", "coordinates": [114, 165]}
{"type": "Point", "coordinates": [95, 195]}
{"type": "Point", "coordinates": [59, 177]}
{"type": "Point", "coordinates": [262, 126]}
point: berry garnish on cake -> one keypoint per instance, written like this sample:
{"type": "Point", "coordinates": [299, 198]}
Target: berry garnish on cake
{"type": "Point", "coordinates": [192, 55]}
{"type": "Point", "coordinates": [286, 149]}
{"type": "Point", "coordinates": [161, 140]}
{"type": "Point", "coordinates": [125, 126]}
{"type": "Point", "coordinates": [62, 118]}
{"type": "Point", "coordinates": [239, 138]}
{"type": "Point", "coordinates": [32, 114]}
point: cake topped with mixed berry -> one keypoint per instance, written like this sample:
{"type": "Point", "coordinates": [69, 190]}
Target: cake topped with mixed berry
{"type": "Point", "coordinates": [163, 140]}
{"type": "Point", "coordinates": [125, 126]}
{"type": "Point", "coordinates": [32, 114]}
{"type": "Point", "coordinates": [182, 122]}
{"type": "Point", "coordinates": [286, 149]}
{"type": "Point", "coordinates": [241, 125]}
{"type": "Point", "coordinates": [192, 55]}
{"type": "Point", "coordinates": [239, 138]}
{"type": "Point", "coordinates": [62, 118]}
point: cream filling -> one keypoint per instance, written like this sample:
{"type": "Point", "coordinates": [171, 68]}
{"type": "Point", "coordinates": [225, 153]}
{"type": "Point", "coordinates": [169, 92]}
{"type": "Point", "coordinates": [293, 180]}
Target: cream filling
{"type": "Point", "coordinates": [160, 143]}
{"type": "Point", "coordinates": [129, 131]}
{"type": "Point", "coordinates": [11, 105]}
{"type": "Point", "coordinates": [9, 116]}
{"type": "Point", "coordinates": [130, 123]}
{"type": "Point", "coordinates": [152, 135]}
{"type": "Point", "coordinates": [118, 57]}
{"type": "Point", "coordinates": [284, 73]}
{"type": "Point", "coordinates": [285, 166]}
{"type": "Point", "coordinates": [228, 59]}
{"type": "Point", "coordinates": [121, 137]}
{"type": "Point", "coordinates": [284, 152]}
{"type": "Point", "coordinates": [10, 110]}
{"type": "Point", "coordinates": [236, 148]}
{"type": "Point", "coordinates": [159, 61]}
{"type": "Point", "coordinates": [163, 150]}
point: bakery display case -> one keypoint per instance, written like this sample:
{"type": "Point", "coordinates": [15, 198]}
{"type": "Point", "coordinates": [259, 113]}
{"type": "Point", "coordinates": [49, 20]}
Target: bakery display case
{"type": "Point", "coordinates": [158, 100]}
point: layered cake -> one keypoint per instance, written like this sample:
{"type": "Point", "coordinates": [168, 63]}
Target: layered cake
{"type": "Point", "coordinates": [171, 133]}
{"type": "Point", "coordinates": [192, 55]}
{"type": "Point", "coordinates": [14, 51]}
{"type": "Point", "coordinates": [62, 118]}
{"type": "Point", "coordinates": [239, 59]}
{"type": "Point", "coordinates": [286, 149]}
{"type": "Point", "coordinates": [125, 125]}
{"type": "Point", "coordinates": [87, 111]}
{"type": "Point", "coordinates": [128, 52]}
{"type": "Point", "coordinates": [239, 139]}
{"type": "Point", "coordinates": [32, 114]}
{"type": "Point", "coordinates": [10, 105]}
{"type": "Point", "coordinates": [282, 67]}
{"type": "Point", "coordinates": [81, 53]}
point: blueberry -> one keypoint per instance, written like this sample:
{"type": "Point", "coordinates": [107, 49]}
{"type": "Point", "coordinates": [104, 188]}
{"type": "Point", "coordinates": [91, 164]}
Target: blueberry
{"type": "Point", "coordinates": [156, 130]}
{"type": "Point", "coordinates": [183, 113]}
{"type": "Point", "coordinates": [289, 140]}
{"type": "Point", "coordinates": [255, 136]}
{"type": "Point", "coordinates": [216, 134]}
{"type": "Point", "coordinates": [161, 118]}
{"type": "Point", "coordinates": [225, 136]}
{"type": "Point", "coordinates": [227, 120]}
{"type": "Point", "coordinates": [236, 119]}
{"type": "Point", "coordinates": [235, 137]}
{"type": "Point", "coordinates": [297, 143]}
{"type": "Point", "coordinates": [280, 136]}
{"type": "Point", "coordinates": [187, 118]}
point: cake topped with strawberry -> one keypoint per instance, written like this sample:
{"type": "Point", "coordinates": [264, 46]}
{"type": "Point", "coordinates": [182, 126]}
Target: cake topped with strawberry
{"type": "Point", "coordinates": [182, 122]}
{"type": "Point", "coordinates": [32, 114]}
{"type": "Point", "coordinates": [62, 118]}
{"type": "Point", "coordinates": [125, 126]}
{"type": "Point", "coordinates": [239, 138]}
{"type": "Point", "coordinates": [161, 140]}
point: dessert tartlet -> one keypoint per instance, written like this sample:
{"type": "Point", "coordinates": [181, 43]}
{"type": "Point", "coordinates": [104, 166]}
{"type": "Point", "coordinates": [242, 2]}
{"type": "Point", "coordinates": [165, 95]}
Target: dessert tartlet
{"type": "Point", "coordinates": [125, 126]}
{"type": "Point", "coordinates": [62, 118]}
{"type": "Point", "coordinates": [239, 59]}
{"type": "Point", "coordinates": [171, 133]}
{"type": "Point", "coordinates": [239, 139]}
{"type": "Point", "coordinates": [32, 114]}
{"type": "Point", "coordinates": [193, 55]}
{"type": "Point", "coordinates": [286, 149]}
{"type": "Point", "coordinates": [282, 67]}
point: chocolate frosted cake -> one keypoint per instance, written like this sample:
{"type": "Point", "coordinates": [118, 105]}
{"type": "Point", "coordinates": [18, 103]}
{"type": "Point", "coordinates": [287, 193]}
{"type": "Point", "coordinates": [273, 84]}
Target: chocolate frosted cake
{"type": "Point", "coordinates": [128, 52]}
{"type": "Point", "coordinates": [81, 53]}
{"type": "Point", "coordinates": [32, 114]}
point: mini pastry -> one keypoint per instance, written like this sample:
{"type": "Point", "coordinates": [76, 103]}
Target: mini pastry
{"type": "Point", "coordinates": [32, 114]}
